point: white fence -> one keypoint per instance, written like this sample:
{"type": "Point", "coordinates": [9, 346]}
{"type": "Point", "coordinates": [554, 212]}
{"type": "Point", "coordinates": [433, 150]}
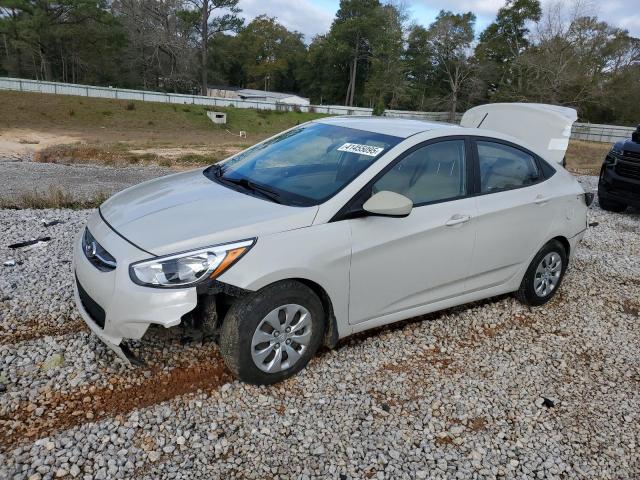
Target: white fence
{"type": "Point", "coordinates": [431, 116]}
{"type": "Point", "coordinates": [24, 85]}
{"type": "Point", "coordinates": [581, 131]}
{"type": "Point", "coordinates": [594, 132]}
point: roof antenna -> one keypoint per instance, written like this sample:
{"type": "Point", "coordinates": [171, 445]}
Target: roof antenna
{"type": "Point", "coordinates": [485, 116]}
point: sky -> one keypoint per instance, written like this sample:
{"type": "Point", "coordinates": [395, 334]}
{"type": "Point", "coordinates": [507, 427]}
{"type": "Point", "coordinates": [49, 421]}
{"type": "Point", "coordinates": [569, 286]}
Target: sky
{"type": "Point", "coordinates": [312, 17]}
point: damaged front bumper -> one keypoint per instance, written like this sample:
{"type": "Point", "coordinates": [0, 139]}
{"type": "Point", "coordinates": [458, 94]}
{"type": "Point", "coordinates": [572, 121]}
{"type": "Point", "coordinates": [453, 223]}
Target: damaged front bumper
{"type": "Point", "coordinates": [114, 307]}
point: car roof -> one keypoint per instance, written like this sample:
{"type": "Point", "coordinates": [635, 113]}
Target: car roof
{"type": "Point", "coordinates": [397, 127]}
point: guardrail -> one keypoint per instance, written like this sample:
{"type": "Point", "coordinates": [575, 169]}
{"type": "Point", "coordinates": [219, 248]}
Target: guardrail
{"type": "Point", "coordinates": [580, 131]}
{"type": "Point", "coordinates": [595, 132]}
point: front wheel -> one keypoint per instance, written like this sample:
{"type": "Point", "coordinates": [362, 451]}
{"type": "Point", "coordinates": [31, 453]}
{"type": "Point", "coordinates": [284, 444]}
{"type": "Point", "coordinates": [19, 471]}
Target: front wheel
{"type": "Point", "coordinates": [611, 205]}
{"type": "Point", "coordinates": [544, 275]}
{"type": "Point", "coordinates": [271, 335]}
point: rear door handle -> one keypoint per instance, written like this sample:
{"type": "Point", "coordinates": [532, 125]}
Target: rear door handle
{"type": "Point", "coordinates": [457, 219]}
{"type": "Point", "coordinates": [541, 200]}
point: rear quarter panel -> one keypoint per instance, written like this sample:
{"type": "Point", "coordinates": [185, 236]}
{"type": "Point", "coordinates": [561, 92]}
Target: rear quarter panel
{"type": "Point", "coordinates": [570, 209]}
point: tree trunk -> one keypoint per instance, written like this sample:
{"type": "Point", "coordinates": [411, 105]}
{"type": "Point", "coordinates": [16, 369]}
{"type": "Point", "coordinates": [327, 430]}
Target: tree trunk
{"type": "Point", "coordinates": [203, 47]}
{"type": "Point", "coordinates": [346, 97]}
{"type": "Point", "coordinates": [354, 71]}
{"type": "Point", "coordinates": [454, 82]}
{"type": "Point", "coordinates": [353, 68]}
{"type": "Point", "coordinates": [454, 106]}
{"type": "Point", "coordinates": [46, 68]}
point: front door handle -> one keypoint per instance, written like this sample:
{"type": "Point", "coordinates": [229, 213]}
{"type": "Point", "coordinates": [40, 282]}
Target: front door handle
{"type": "Point", "coordinates": [457, 219]}
{"type": "Point", "coordinates": [541, 200]}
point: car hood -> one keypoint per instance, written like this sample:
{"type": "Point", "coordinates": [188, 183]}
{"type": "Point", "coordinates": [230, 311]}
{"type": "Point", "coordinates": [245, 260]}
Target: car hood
{"type": "Point", "coordinates": [628, 146]}
{"type": "Point", "coordinates": [187, 210]}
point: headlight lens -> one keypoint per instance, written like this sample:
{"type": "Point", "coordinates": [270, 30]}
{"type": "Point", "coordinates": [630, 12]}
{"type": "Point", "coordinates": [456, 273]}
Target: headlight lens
{"type": "Point", "coordinates": [616, 150]}
{"type": "Point", "coordinates": [187, 268]}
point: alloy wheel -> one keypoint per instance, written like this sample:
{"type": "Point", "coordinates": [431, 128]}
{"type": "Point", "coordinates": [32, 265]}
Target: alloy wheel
{"type": "Point", "coordinates": [547, 274]}
{"type": "Point", "coordinates": [281, 338]}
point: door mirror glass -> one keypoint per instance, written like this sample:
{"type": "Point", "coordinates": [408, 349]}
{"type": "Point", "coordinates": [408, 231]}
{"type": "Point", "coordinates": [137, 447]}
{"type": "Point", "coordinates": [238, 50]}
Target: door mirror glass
{"type": "Point", "coordinates": [388, 204]}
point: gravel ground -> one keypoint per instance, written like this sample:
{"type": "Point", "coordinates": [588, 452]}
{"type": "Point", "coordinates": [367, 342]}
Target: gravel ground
{"type": "Point", "coordinates": [83, 181]}
{"type": "Point", "coordinates": [492, 389]}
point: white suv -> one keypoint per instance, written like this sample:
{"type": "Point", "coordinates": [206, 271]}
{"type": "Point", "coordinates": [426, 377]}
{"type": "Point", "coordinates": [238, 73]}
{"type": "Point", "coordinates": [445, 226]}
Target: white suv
{"type": "Point", "coordinates": [330, 228]}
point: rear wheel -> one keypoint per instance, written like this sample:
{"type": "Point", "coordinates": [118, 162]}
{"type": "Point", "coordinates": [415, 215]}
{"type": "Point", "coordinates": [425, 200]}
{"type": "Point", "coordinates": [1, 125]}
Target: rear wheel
{"type": "Point", "coordinates": [544, 275]}
{"type": "Point", "coordinates": [272, 334]}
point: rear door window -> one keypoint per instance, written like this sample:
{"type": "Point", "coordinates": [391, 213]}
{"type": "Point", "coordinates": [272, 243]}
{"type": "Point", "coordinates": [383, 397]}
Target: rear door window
{"type": "Point", "coordinates": [503, 167]}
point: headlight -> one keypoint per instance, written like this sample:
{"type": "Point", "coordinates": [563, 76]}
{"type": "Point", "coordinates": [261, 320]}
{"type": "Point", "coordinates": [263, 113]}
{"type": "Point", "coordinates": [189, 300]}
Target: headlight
{"type": "Point", "coordinates": [187, 268]}
{"type": "Point", "coordinates": [616, 150]}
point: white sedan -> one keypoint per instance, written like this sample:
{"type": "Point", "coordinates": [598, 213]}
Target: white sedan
{"type": "Point", "coordinates": [330, 228]}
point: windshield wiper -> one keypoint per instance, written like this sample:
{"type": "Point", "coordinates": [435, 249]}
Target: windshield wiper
{"type": "Point", "coordinates": [246, 183]}
{"type": "Point", "coordinates": [217, 170]}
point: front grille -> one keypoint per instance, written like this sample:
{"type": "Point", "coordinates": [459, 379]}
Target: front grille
{"type": "Point", "coordinates": [631, 154]}
{"type": "Point", "coordinates": [628, 170]}
{"type": "Point", "coordinates": [95, 311]}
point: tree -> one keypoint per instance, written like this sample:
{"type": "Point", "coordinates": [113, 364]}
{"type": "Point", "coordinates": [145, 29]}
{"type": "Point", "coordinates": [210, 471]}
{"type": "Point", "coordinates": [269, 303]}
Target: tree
{"type": "Point", "coordinates": [449, 41]}
{"type": "Point", "coordinates": [159, 51]}
{"type": "Point", "coordinates": [357, 22]}
{"type": "Point", "coordinates": [420, 67]}
{"type": "Point", "coordinates": [502, 42]}
{"type": "Point", "coordinates": [209, 24]}
{"type": "Point", "coordinates": [575, 59]}
{"type": "Point", "coordinates": [386, 82]}
{"type": "Point", "coordinates": [61, 39]}
{"type": "Point", "coordinates": [323, 74]}
{"type": "Point", "coordinates": [270, 54]}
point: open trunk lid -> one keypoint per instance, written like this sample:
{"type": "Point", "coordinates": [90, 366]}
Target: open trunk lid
{"type": "Point", "coordinates": [544, 128]}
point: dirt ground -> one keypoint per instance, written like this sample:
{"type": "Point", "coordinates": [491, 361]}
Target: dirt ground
{"type": "Point", "coordinates": [20, 142]}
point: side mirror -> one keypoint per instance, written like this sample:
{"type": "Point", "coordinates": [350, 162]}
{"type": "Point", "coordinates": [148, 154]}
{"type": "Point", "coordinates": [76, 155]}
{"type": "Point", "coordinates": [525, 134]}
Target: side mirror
{"type": "Point", "coordinates": [388, 204]}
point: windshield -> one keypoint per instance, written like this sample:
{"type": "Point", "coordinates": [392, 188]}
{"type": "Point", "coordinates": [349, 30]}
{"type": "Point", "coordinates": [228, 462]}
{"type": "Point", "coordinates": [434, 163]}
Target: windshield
{"type": "Point", "coordinates": [304, 166]}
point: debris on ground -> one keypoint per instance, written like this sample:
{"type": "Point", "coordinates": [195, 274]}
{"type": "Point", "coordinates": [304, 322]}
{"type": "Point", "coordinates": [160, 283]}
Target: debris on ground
{"type": "Point", "coordinates": [33, 243]}
{"type": "Point", "coordinates": [546, 402]}
{"type": "Point", "coordinates": [10, 263]}
{"type": "Point", "coordinates": [51, 223]}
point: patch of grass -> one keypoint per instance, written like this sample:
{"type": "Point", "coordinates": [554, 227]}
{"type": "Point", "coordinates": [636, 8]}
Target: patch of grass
{"type": "Point", "coordinates": [116, 154]}
{"type": "Point", "coordinates": [201, 159]}
{"type": "Point", "coordinates": [139, 120]}
{"type": "Point", "coordinates": [54, 198]}
{"type": "Point", "coordinates": [586, 157]}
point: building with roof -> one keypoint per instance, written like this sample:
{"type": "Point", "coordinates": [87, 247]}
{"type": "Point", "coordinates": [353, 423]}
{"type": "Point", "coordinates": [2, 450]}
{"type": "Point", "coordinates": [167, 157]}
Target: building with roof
{"type": "Point", "coordinates": [257, 95]}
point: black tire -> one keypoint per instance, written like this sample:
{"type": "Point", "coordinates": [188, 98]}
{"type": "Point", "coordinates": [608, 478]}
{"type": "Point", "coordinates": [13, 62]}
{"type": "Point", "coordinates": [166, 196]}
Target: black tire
{"type": "Point", "coordinates": [611, 205]}
{"type": "Point", "coordinates": [245, 316]}
{"type": "Point", "coordinates": [526, 293]}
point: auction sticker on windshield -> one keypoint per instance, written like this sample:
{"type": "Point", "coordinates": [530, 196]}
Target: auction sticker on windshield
{"type": "Point", "coordinates": [368, 150]}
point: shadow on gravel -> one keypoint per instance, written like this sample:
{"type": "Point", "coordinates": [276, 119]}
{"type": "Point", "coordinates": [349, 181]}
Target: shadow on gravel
{"type": "Point", "coordinates": [360, 337]}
